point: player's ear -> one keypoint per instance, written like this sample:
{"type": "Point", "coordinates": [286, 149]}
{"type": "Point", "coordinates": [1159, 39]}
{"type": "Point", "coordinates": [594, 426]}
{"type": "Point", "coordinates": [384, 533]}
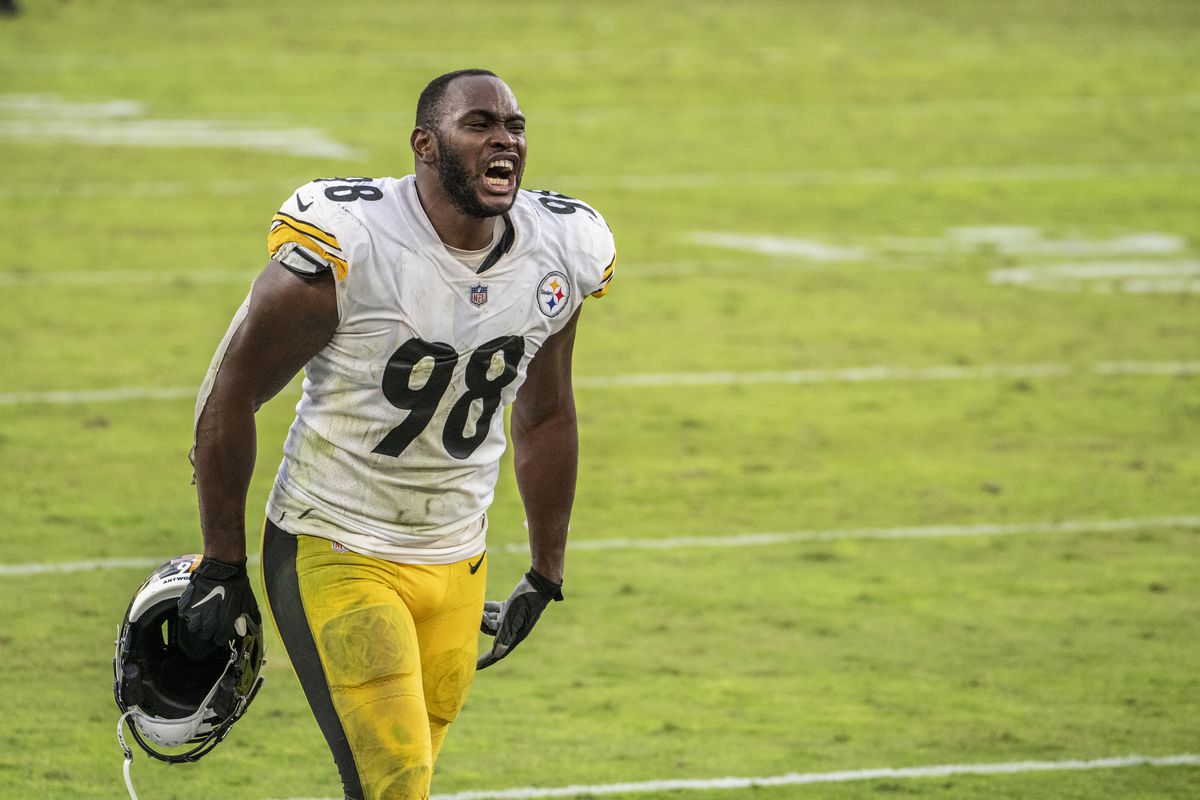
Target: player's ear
{"type": "Point", "coordinates": [424, 145]}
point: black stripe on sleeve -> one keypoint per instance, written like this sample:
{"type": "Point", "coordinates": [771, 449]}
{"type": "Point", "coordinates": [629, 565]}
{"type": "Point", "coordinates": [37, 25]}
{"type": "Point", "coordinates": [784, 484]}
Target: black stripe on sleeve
{"type": "Point", "coordinates": [287, 607]}
{"type": "Point", "coordinates": [319, 267]}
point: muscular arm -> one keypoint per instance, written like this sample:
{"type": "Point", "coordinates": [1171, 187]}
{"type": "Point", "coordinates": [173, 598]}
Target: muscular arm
{"type": "Point", "coordinates": [546, 450]}
{"type": "Point", "coordinates": [290, 320]}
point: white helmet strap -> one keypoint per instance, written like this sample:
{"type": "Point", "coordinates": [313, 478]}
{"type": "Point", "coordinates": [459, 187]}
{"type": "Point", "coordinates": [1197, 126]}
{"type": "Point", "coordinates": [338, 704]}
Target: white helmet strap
{"type": "Point", "coordinates": [128, 754]}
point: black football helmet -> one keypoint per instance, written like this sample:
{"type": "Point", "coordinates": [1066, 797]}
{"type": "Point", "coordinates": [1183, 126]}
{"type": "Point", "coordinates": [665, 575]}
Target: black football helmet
{"type": "Point", "coordinates": [173, 700]}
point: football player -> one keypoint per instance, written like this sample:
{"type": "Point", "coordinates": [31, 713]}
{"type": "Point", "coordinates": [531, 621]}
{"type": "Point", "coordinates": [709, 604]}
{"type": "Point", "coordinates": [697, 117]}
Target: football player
{"type": "Point", "coordinates": [418, 308]}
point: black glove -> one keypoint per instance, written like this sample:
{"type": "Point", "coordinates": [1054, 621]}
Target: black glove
{"type": "Point", "coordinates": [511, 621]}
{"type": "Point", "coordinates": [217, 595]}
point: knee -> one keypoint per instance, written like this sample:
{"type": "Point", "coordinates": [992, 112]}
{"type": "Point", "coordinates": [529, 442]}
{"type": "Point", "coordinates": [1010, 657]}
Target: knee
{"type": "Point", "coordinates": [448, 678]}
{"type": "Point", "coordinates": [390, 739]}
{"type": "Point", "coordinates": [406, 782]}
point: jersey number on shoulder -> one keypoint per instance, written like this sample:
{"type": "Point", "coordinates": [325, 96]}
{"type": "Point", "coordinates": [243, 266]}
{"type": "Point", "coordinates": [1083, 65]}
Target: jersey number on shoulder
{"type": "Point", "coordinates": [484, 383]}
{"type": "Point", "coordinates": [560, 203]}
{"type": "Point", "coordinates": [346, 194]}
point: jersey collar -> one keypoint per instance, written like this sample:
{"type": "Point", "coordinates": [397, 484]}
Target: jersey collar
{"type": "Point", "coordinates": [503, 246]}
{"type": "Point", "coordinates": [512, 241]}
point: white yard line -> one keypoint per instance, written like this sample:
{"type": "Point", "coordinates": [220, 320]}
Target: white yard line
{"type": "Point", "coordinates": [882, 373]}
{"type": "Point", "coordinates": [142, 189]}
{"type": "Point", "coordinates": [66, 567]}
{"type": "Point", "coordinates": [781, 246]}
{"type": "Point", "coordinates": [818, 376]}
{"type": "Point", "coordinates": [809, 778]}
{"type": "Point", "coordinates": [37, 279]}
{"type": "Point", "coordinates": [1008, 240]}
{"type": "Point", "coordinates": [1159, 277]}
{"type": "Point", "coordinates": [801, 178]}
{"type": "Point", "coordinates": [1148, 368]}
{"type": "Point", "coordinates": [949, 372]}
{"type": "Point", "coordinates": [116, 395]}
{"type": "Point", "coordinates": [882, 176]}
{"type": "Point", "coordinates": [47, 118]}
{"type": "Point", "coordinates": [124, 277]}
{"type": "Point", "coordinates": [179, 133]}
{"type": "Point", "coordinates": [735, 540]}
{"type": "Point", "coordinates": [928, 532]}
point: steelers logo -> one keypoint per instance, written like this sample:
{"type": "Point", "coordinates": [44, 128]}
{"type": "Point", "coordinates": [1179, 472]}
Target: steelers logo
{"type": "Point", "coordinates": [553, 293]}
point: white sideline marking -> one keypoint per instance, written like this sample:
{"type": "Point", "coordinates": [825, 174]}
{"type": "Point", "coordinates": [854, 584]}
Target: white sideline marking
{"type": "Point", "coordinates": [1020, 240]}
{"type": "Point", "coordinates": [39, 278]}
{"type": "Point", "coordinates": [816, 376]}
{"type": "Point", "coordinates": [19, 278]}
{"type": "Point", "coordinates": [1030, 241]}
{"type": "Point", "coordinates": [737, 540]}
{"type": "Point", "coordinates": [897, 106]}
{"type": "Point", "coordinates": [123, 277]}
{"type": "Point", "coordinates": [930, 532]}
{"type": "Point", "coordinates": [91, 565]}
{"type": "Point", "coordinates": [1095, 269]}
{"type": "Point", "coordinates": [1001, 173]}
{"type": "Point", "coordinates": [1149, 368]}
{"type": "Point", "coordinates": [94, 565]}
{"type": "Point", "coordinates": [1009, 240]}
{"type": "Point", "coordinates": [1161, 286]}
{"type": "Point", "coordinates": [881, 373]}
{"type": "Point", "coordinates": [1045, 173]}
{"type": "Point", "coordinates": [781, 246]}
{"type": "Point", "coordinates": [666, 379]}
{"type": "Point", "coordinates": [808, 778]}
{"type": "Point", "coordinates": [41, 118]}
{"type": "Point", "coordinates": [142, 189]}
{"type": "Point", "coordinates": [1141, 277]}
{"type": "Point", "coordinates": [98, 395]}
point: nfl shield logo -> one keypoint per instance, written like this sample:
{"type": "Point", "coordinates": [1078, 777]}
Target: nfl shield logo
{"type": "Point", "coordinates": [478, 295]}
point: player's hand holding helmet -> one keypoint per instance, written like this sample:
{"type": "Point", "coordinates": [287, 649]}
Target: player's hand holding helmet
{"type": "Point", "coordinates": [218, 594]}
{"type": "Point", "coordinates": [172, 699]}
{"type": "Point", "coordinates": [511, 621]}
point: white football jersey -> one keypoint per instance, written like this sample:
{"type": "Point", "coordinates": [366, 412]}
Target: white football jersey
{"type": "Point", "coordinates": [397, 440]}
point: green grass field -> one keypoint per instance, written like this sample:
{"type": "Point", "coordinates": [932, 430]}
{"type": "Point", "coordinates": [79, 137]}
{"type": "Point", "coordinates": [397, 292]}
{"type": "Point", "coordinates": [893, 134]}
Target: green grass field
{"type": "Point", "coordinates": [849, 154]}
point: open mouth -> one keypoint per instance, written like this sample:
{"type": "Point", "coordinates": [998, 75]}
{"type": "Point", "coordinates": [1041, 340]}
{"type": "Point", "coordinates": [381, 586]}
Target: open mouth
{"type": "Point", "coordinates": [500, 175]}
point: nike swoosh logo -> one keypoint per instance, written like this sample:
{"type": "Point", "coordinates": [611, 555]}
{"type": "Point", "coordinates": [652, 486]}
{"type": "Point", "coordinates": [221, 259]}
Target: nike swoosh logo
{"type": "Point", "coordinates": [300, 203]}
{"type": "Point", "coordinates": [475, 567]}
{"type": "Point", "coordinates": [218, 592]}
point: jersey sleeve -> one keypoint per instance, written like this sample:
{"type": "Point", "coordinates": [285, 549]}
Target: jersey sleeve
{"type": "Point", "coordinates": [598, 257]}
{"type": "Point", "coordinates": [301, 237]}
{"type": "Point", "coordinates": [607, 275]}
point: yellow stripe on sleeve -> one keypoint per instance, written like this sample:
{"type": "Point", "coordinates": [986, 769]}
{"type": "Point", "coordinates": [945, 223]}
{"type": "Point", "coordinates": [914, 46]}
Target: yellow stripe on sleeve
{"type": "Point", "coordinates": [284, 233]}
{"type": "Point", "coordinates": [606, 279]}
{"type": "Point", "coordinates": [328, 239]}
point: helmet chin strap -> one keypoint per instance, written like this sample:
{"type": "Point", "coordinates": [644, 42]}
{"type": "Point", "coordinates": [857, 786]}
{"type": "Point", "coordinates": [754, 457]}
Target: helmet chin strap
{"type": "Point", "coordinates": [128, 754]}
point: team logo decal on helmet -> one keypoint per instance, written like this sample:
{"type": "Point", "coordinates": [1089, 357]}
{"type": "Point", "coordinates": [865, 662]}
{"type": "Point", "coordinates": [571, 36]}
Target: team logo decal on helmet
{"type": "Point", "coordinates": [553, 293]}
{"type": "Point", "coordinates": [180, 708]}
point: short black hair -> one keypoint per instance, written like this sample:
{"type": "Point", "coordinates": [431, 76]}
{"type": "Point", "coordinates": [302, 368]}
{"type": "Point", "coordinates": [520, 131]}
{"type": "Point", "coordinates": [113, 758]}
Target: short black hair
{"type": "Point", "coordinates": [429, 105]}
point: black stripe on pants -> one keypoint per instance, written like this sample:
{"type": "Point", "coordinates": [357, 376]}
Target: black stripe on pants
{"type": "Point", "coordinates": [287, 607]}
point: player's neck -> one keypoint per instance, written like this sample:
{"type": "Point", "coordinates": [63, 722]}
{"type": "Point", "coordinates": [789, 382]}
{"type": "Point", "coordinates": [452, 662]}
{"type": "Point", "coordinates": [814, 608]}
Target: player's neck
{"type": "Point", "coordinates": [453, 227]}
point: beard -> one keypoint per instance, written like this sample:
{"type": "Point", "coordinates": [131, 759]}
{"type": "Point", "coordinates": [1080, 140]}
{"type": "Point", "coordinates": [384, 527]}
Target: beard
{"type": "Point", "coordinates": [459, 184]}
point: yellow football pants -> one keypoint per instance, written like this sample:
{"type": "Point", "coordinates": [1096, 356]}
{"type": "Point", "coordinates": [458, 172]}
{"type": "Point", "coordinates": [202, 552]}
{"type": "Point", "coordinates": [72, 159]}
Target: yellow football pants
{"type": "Point", "coordinates": [385, 652]}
